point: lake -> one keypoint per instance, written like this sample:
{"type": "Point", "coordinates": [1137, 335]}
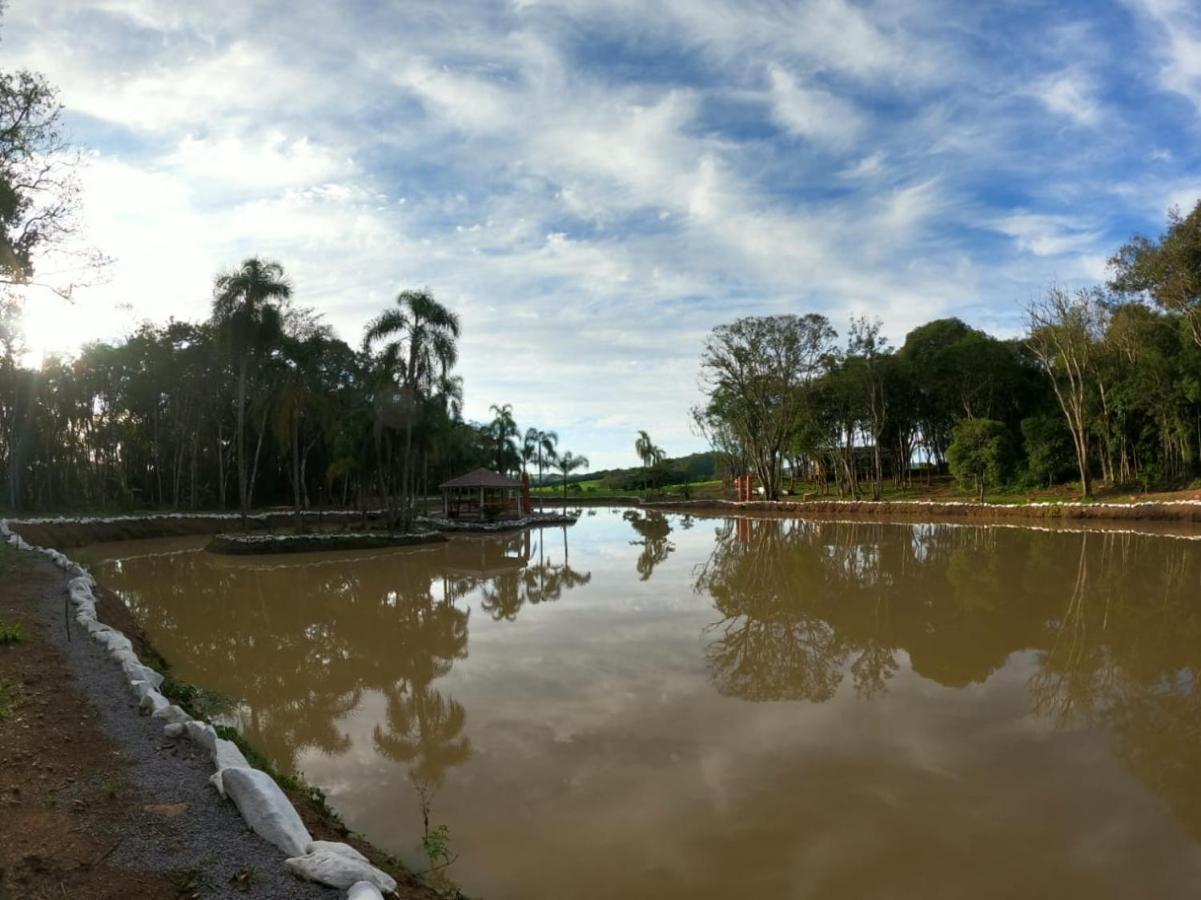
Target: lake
{"type": "Point", "coordinates": [651, 705]}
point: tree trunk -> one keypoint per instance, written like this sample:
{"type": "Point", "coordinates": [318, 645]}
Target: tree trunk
{"type": "Point", "coordinates": [240, 441]}
{"type": "Point", "coordinates": [296, 469]}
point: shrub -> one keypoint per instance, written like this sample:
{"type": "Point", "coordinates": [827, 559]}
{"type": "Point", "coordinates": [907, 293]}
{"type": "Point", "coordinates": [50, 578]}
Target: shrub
{"type": "Point", "coordinates": [979, 454]}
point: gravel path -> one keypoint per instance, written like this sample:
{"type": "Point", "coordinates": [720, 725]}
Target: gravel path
{"type": "Point", "coordinates": [180, 825]}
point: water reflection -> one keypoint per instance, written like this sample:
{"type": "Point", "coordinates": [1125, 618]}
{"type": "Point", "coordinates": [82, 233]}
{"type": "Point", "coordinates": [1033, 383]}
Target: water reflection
{"type": "Point", "coordinates": [930, 702]}
{"type": "Point", "coordinates": [1114, 619]}
{"type": "Point", "coordinates": [652, 527]}
{"type": "Point", "coordinates": [298, 641]}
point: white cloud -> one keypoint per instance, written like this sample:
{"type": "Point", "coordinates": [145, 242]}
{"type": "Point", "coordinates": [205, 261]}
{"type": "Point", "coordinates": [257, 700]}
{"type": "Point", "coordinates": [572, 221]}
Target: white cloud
{"type": "Point", "coordinates": [269, 162]}
{"type": "Point", "coordinates": [1177, 44]}
{"type": "Point", "coordinates": [595, 211]}
{"type": "Point", "coordinates": [813, 113]}
{"type": "Point", "coordinates": [1049, 235]}
{"type": "Point", "coordinates": [1070, 94]}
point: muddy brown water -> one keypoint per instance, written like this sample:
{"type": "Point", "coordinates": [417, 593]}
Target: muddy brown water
{"type": "Point", "coordinates": [652, 705]}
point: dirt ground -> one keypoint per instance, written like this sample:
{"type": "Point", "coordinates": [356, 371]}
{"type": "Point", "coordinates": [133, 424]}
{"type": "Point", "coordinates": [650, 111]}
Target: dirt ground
{"type": "Point", "coordinates": [65, 792]}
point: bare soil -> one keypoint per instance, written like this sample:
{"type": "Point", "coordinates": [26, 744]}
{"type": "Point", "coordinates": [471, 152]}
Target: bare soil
{"type": "Point", "coordinates": [65, 791]}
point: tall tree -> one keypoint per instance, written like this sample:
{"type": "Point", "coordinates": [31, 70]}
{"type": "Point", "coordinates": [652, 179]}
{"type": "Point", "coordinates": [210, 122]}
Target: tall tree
{"type": "Point", "coordinates": [247, 313]}
{"type": "Point", "coordinates": [1168, 269]}
{"type": "Point", "coordinates": [756, 368]}
{"type": "Point", "coordinates": [1065, 333]}
{"type": "Point", "coordinates": [418, 340]}
{"type": "Point", "coordinates": [504, 433]}
{"type": "Point", "coordinates": [566, 464]}
{"type": "Point", "coordinates": [540, 446]}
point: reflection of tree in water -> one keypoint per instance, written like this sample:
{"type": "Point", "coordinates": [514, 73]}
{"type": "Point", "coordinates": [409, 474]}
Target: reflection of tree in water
{"type": "Point", "coordinates": [1123, 655]}
{"type": "Point", "coordinates": [770, 579]}
{"type": "Point", "coordinates": [653, 529]}
{"type": "Point", "coordinates": [505, 591]}
{"type": "Point", "coordinates": [298, 643]}
{"type": "Point", "coordinates": [1115, 620]}
{"type": "Point", "coordinates": [424, 730]}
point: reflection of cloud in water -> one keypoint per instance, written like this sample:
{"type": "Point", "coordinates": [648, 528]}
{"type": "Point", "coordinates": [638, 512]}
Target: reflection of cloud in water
{"type": "Point", "coordinates": [946, 699]}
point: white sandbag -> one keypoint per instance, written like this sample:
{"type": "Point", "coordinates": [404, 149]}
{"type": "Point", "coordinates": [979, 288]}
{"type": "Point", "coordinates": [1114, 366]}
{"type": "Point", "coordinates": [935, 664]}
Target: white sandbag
{"type": "Point", "coordinates": [339, 871]}
{"type": "Point", "coordinates": [364, 890]}
{"type": "Point", "coordinates": [124, 657]}
{"type": "Point", "coordinates": [152, 701]}
{"type": "Point", "coordinates": [226, 755]}
{"type": "Point", "coordinates": [336, 847]}
{"type": "Point", "coordinates": [267, 810]}
{"type": "Point", "coordinates": [175, 730]}
{"type": "Point", "coordinates": [141, 688]}
{"type": "Point", "coordinates": [203, 735]}
{"type": "Point", "coordinates": [116, 642]}
{"type": "Point", "coordinates": [171, 713]}
{"type": "Point", "coordinates": [135, 671]}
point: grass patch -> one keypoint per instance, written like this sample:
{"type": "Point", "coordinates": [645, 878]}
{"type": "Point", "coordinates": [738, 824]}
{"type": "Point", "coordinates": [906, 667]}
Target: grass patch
{"type": "Point", "coordinates": [191, 882]}
{"type": "Point", "coordinates": [197, 702]}
{"type": "Point", "coordinates": [11, 633]}
{"type": "Point", "coordinates": [8, 700]}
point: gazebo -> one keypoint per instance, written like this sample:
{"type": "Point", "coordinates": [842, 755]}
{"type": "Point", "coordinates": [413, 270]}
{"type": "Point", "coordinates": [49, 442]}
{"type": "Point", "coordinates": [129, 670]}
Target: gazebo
{"type": "Point", "coordinates": [482, 494]}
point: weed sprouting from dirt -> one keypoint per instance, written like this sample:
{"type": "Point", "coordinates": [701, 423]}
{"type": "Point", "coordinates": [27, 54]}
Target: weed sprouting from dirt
{"type": "Point", "coordinates": [8, 700]}
{"type": "Point", "coordinates": [242, 880]}
{"type": "Point", "coordinates": [11, 633]}
{"type": "Point", "coordinates": [434, 841]}
{"type": "Point", "coordinates": [191, 883]}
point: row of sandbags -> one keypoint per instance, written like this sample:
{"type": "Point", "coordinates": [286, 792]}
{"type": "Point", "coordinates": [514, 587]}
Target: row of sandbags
{"type": "Point", "coordinates": [265, 807]}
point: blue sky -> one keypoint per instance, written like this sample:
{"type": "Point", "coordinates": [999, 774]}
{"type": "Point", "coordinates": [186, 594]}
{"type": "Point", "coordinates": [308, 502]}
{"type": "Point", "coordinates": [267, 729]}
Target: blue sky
{"type": "Point", "coordinates": [594, 185]}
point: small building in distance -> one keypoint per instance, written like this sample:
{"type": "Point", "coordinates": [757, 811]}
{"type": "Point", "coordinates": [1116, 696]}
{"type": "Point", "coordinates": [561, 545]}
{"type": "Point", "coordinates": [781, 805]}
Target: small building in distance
{"type": "Point", "coordinates": [483, 495]}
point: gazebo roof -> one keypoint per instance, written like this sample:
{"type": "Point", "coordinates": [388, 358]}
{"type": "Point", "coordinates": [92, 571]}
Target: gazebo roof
{"type": "Point", "coordinates": [480, 478]}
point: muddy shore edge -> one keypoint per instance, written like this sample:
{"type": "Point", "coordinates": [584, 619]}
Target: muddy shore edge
{"type": "Point", "coordinates": [101, 681]}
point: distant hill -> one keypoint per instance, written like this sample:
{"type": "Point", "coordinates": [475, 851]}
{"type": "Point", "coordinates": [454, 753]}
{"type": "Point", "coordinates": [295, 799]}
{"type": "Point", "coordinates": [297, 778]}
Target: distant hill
{"type": "Point", "coordinates": [679, 470]}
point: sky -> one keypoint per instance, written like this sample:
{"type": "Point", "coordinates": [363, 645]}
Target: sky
{"type": "Point", "coordinates": [593, 185]}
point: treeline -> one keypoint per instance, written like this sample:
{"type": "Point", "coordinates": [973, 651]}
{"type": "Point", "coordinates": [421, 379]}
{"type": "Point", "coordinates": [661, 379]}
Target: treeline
{"type": "Point", "coordinates": [1106, 383]}
{"type": "Point", "coordinates": [259, 404]}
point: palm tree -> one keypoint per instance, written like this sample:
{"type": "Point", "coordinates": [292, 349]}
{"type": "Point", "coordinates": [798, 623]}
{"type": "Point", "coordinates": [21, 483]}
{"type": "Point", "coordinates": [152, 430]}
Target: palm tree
{"type": "Point", "coordinates": [568, 463]}
{"type": "Point", "coordinates": [504, 432]}
{"type": "Point", "coordinates": [540, 446]}
{"type": "Point", "coordinates": [247, 314]}
{"type": "Point", "coordinates": [419, 348]}
{"type": "Point", "coordinates": [650, 454]}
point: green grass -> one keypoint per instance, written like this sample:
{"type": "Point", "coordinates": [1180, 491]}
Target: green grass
{"type": "Point", "coordinates": [197, 702]}
{"type": "Point", "coordinates": [11, 633]}
{"type": "Point", "coordinates": [595, 487]}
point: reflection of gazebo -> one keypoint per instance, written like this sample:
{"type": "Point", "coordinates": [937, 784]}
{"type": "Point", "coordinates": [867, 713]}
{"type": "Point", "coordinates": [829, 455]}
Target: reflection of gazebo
{"type": "Point", "coordinates": [482, 494]}
{"type": "Point", "coordinates": [487, 557]}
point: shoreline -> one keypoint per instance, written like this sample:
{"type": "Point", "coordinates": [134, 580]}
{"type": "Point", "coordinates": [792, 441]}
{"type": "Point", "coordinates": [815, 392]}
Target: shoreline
{"type": "Point", "coordinates": [1188, 511]}
{"type": "Point", "coordinates": [308, 837]}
